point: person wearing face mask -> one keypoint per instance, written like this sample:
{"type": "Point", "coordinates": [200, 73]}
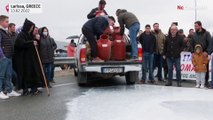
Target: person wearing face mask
{"type": "Point", "coordinates": [202, 37]}
{"type": "Point", "coordinates": [47, 46]}
{"type": "Point", "coordinates": [26, 61]}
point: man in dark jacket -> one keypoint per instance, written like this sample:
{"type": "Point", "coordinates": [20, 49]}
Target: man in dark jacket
{"type": "Point", "coordinates": [96, 27]}
{"type": "Point", "coordinates": [131, 22]}
{"type": "Point", "coordinates": [12, 31]}
{"type": "Point", "coordinates": [172, 51]}
{"type": "Point", "coordinates": [148, 41]}
{"type": "Point", "coordinates": [191, 33]}
{"type": "Point", "coordinates": [26, 60]}
{"type": "Point", "coordinates": [6, 53]}
{"type": "Point", "coordinates": [202, 37]}
{"type": "Point", "coordinates": [47, 46]}
{"type": "Point", "coordinates": [13, 35]}
{"type": "Point", "coordinates": [99, 11]}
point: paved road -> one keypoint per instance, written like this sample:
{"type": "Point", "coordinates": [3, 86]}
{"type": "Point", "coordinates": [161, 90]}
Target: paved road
{"type": "Point", "coordinates": [42, 107]}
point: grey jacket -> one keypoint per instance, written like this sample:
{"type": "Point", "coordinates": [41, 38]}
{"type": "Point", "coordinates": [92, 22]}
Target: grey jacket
{"type": "Point", "coordinates": [126, 19]}
{"type": "Point", "coordinates": [47, 46]}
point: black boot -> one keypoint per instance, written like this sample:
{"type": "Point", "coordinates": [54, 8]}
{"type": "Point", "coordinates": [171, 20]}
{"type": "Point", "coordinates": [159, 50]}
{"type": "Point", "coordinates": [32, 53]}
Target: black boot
{"type": "Point", "coordinates": [25, 92]}
{"type": "Point", "coordinates": [179, 84]}
{"type": "Point", "coordinates": [169, 83]}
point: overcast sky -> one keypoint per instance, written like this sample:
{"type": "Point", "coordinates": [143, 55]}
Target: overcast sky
{"type": "Point", "coordinates": [66, 17]}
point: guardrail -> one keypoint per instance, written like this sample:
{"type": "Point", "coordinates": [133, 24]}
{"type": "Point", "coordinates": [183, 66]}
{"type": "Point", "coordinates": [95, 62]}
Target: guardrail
{"type": "Point", "coordinates": [64, 60]}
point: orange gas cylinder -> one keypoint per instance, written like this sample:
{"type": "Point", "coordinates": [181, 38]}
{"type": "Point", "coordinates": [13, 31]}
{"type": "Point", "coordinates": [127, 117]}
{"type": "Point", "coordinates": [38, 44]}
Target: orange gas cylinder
{"type": "Point", "coordinates": [119, 48]}
{"type": "Point", "coordinates": [104, 47]}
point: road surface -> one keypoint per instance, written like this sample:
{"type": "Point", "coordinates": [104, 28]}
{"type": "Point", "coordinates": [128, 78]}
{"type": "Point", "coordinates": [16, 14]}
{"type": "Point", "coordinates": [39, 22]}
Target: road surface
{"type": "Point", "coordinates": [109, 99]}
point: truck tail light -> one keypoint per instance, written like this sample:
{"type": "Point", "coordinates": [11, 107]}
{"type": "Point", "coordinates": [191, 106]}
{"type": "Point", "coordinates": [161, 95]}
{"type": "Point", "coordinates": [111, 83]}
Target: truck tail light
{"type": "Point", "coordinates": [140, 53]}
{"type": "Point", "coordinates": [83, 55]}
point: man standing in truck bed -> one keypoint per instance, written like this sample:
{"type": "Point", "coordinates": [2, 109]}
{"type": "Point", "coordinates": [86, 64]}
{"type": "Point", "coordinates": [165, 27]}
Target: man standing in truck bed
{"type": "Point", "coordinates": [99, 11]}
{"type": "Point", "coordinates": [131, 22]}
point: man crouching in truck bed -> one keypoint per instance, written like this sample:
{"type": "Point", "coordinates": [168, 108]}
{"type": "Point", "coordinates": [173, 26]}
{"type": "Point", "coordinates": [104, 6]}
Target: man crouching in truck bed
{"type": "Point", "coordinates": [96, 27]}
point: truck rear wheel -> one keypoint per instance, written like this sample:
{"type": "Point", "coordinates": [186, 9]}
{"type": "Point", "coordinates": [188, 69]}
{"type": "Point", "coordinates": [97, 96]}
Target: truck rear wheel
{"type": "Point", "coordinates": [82, 79]}
{"type": "Point", "coordinates": [132, 77]}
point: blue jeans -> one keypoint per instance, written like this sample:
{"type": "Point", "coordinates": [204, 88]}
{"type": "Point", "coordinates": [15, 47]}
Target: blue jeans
{"type": "Point", "coordinates": [6, 71]}
{"type": "Point", "coordinates": [174, 62]}
{"type": "Point", "coordinates": [133, 31]}
{"type": "Point", "coordinates": [48, 70]}
{"type": "Point", "coordinates": [158, 61]}
{"type": "Point", "coordinates": [147, 63]}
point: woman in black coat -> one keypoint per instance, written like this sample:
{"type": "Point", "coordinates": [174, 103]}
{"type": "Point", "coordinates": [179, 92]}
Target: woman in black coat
{"type": "Point", "coordinates": [26, 60]}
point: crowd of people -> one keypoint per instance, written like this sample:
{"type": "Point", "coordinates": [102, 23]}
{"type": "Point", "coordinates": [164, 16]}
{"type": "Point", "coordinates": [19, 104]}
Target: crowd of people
{"type": "Point", "coordinates": [159, 50]}
{"type": "Point", "coordinates": [20, 63]}
{"type": "Point", "coordinates": [164, 50]}
{"type": "Point", "coordinates": [19, 60]}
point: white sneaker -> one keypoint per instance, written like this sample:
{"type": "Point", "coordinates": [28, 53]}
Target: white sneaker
{"type": "Point", "coordinates": [197, 86]}
{"type": "Point", "coordinates": [13, 94]}
{"type": "Point", "coordinates": [3, 96]}
{"type": "Point", "coordinates": [202, 86]}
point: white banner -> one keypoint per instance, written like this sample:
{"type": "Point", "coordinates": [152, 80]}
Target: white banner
{"type": "Point", "coordinates": [187, 68]}
{"type": "Point", "coordinates": [24, 8]}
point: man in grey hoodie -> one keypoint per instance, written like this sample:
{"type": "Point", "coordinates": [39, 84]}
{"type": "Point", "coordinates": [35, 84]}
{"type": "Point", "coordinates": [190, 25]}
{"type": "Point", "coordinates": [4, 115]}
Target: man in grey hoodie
{"type": "Point", "coordinates": [131, 22]}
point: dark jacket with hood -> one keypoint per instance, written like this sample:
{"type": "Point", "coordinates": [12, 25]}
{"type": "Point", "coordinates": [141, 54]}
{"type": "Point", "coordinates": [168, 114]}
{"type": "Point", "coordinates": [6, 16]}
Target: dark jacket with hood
{"type": "Point", "coordinates": [92, 13]}
{"type": "Point", "coordinates": [204, 39]}
{"type": "Point", "coordinates": [173, 46]}
{"type": "Point", "coordinates": [26, 62]}
{"type": "Point", "coordinates": [47, 46]}
{"type": "Point", "coordinates": [126, 19]}
{"type": "Point", "coordinates": [97, 25]}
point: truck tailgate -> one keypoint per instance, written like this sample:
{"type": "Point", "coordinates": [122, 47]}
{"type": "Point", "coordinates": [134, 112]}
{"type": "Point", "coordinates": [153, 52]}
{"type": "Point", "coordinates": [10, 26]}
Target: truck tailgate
{"type": "Point", "coordinates": [115, 63]}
